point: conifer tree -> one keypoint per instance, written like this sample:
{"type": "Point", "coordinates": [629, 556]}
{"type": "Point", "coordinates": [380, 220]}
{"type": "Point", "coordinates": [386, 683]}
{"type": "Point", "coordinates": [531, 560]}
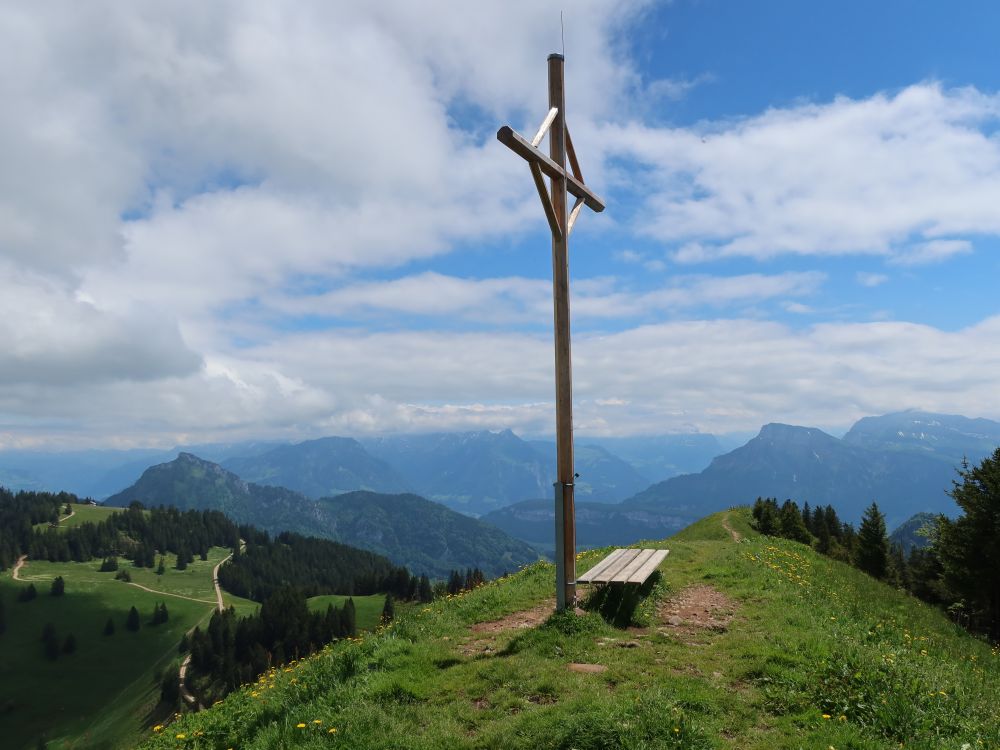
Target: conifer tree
{"type": "Point", "coordinates": [132, 621]}
{"type": "Point", "coordinates": [28, 593]}
{"type": "Point", "coordinates": [50, 641]}
{"type": "Point", "coordinates": [872, 553]}
{"type": "Point", "coordinates": [58, 586]}
{"type": "Point", "coordinates": [350, 618]}
{"type": "Point", "coordinates": [969, 546]}
{"type": "Point", "coordinates": [791, 525]}
{"type": "Point", "coordinates": [161, 568]}
{"type": "Point", "coordinates": [424, 591]}
{"type": "Point", "coordinates": [109, 627]}
{"type": "Point", "coordinates": [388, 610]}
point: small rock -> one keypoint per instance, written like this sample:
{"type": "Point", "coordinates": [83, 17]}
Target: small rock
{"type": "Point", "coordinates": [674, 620]}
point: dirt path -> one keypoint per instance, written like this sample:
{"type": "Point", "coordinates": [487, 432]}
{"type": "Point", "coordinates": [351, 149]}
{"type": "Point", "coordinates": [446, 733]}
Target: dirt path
{"type": "Point", "coordinates": [167, 593]}
{"type": "Point", "coordinates": [189, 698]}
{"type": "Point", "coordinates": [732, 532]}
{"type": "Point", "coordinates": [16, 572]}
{"type": "Point", "coordinates": [697, 608]}
{"type": "Point", "coordinates": [215, 582]}
{"type": "Point", "coordinates": [486, 635]}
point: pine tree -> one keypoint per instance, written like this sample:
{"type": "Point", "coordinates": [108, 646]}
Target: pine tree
{"type": "Point", "coordinates": [50, 641]}
{"type": "Point", "coordinates": [350, 618]}
{"type": "Point", "coordinates": [28, 593]}
{"type": "Point", "coordinates": [132, 621]}
{"type": "Point", "coordinates": [424, 591]}
{"type": "Point", "coordinates": [58, 586]}
{"type": "Point", "coordinates": [791, 525]}
{"type": "Point", "coordinates": [161, 568]}
{"type": "Point", "coordinates": [872, 553]}
{"type": "Point", "coordinates": [969, 546]}
{"type": "Point", "coordinates": [109, 627]}
{"type": "Point", "coordinates": [388, 610]}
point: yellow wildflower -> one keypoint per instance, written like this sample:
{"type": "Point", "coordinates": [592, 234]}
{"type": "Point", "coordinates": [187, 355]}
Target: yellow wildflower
{"type": "Point", "coordinates": [331, 730]}
{"type": "Point", "coordinates": [180, 736]}
{"type": "Point", "coordinates": [826, 716]}
{"type": "Point", "coordinates": [300, 725]}
{"type": "Point", "coordinates": [158, 728]}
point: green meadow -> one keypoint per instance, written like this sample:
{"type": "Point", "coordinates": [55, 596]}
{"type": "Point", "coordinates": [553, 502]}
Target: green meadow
{"type": "Point", "coordinates": [106, 693]}
{"type": "Point", "coordinates": [367, 609]}
{"type": "Point", "coordinates": [792, 650]}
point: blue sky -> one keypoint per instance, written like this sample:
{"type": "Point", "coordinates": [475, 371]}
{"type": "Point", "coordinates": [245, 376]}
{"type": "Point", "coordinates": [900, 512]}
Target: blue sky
{"type": "Point", "coordinates": [248, 221]}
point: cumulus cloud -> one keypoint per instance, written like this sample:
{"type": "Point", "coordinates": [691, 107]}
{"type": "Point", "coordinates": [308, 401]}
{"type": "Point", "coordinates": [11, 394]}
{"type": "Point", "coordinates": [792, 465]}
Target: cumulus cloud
{"type": "Point", "coordinates": [890, 175]}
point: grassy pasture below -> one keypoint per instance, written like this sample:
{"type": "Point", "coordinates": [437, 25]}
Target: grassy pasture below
{"type": "Point", "coordinates": [105, 694]}
{"type": "Point", "coordinates": [367, 609]}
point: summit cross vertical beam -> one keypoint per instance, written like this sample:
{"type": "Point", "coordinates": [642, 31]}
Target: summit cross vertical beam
{"type": "Point", "coordinates": [554, 200]}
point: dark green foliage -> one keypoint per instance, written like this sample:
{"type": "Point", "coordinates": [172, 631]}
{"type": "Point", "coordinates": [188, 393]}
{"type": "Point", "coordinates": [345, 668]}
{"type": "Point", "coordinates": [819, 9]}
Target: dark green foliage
{"type": "Point", "coordinates": [235, 650]}
{"type": "Point", "coordinates": [58, 586]}
{"type": "Point", "coordinates": [160, 615]}
{"type": "Point", "coordinates": [19, 513]}
{"type": "Point", "coordinates": [123, 575]}
{"type": "Point", "coordinates": [316, 566]}
{"type": "Point", "coordinates": [28, 593]}
{"type": "Point", "coordinates": [457, 582]}
{"type": "Point", "coordinates": [969, 546]}
{"type": "Point", "coordinates": [69, 645]}
{"type": "Point", "coordinates": [765, 516]}
{"type": "Point", "coordinates": [161, 567]}
{"type": "Point", "coordinates": [132, 621]}
{"type": "Point", "coordinates": [388, 610]}
{"type": "Point", "coordinates": [424, 591]}
{"type": "Point", "coordinates": [872, 553]}
{"type": "Point", "coordinates": [791, 523]}
{"type": "Point", "coordinates": [109, 565]}
{"type": "Point", "coordinates": [109, 627]}
{"type": "Point", "coordinates": [170, 688]}
{"type": "Point", "coordinates": [3, 617]}
{"type": "Point", "coordinates": [50, 641]}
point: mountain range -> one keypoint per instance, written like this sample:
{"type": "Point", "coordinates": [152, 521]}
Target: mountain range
{"type": "Point", "coordinates": [424, 536]}
{"type": "Point", "coordinates": [906, 462]}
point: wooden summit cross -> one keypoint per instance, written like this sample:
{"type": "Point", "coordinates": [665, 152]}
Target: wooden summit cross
{"type": "Point", "coordinates": [553, 199]}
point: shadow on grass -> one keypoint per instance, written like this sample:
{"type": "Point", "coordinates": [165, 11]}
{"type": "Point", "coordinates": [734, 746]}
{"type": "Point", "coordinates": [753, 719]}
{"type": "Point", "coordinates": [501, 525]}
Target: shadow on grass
{"type": "Point", "coordinates": [618, 603]}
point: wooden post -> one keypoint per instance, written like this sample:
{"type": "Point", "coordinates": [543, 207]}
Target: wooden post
{"type": "Point", "coordinates": [563, 354]}
{"type": "Point", "coordinates": [554, 200]}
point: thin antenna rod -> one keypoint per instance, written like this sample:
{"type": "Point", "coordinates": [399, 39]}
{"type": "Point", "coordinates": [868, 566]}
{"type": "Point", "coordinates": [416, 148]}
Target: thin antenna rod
{"type": "Point", "coordinates": [562, 33]}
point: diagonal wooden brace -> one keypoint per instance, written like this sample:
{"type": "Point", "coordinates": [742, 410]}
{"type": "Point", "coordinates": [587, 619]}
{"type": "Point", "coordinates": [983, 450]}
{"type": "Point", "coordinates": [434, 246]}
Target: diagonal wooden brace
{"type": "Point", "coordinates": [517, 143]}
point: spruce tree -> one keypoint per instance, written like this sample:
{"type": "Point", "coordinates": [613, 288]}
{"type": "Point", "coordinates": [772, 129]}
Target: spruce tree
{"type": "Point", "coordinates": [109, 627]}
{"type": "Point", "coordinates": [388, 610]}
{"type": "Point", "coordinates": [161, 568]}
{"type": "Point", "coordinates": [58, 586]}
{"type": "Point", "coordinates": [50, 641]}
{"type": "Point", "coordinates": [969, 546]}
{"type": "Point", "coordinates": [350, 618]}
{"type": "Point", "coordinates": [132, 621]}
{"type": "Point", "coordinates": [872, 552]}
{"type": "Point", "coordinates": [424, 591]}
{"type": "Point", "coordinates": [27, 593]}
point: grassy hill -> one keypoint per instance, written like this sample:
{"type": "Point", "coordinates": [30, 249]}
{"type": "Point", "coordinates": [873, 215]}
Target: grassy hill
{"type": "Point", "coordinates": [105, 694]}
{"type": "Point", "coordinates": [756, 643]}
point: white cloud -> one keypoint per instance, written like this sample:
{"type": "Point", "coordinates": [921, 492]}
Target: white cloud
{"type": "Point", "coordinates": [867, 278]}
{"type": "Point", "coordinates": [934, 251]}
{"type": "Point", "coordinates": [887, 174]}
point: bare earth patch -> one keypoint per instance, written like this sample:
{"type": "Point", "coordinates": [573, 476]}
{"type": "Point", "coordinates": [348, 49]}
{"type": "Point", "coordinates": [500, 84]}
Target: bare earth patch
{"type": "Point", "coordinates": [486, 634]}
{"type": "Point", "coordinates": [697, 609]}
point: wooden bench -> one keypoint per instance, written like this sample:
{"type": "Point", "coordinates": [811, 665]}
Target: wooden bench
{"type": "Point", "coordinates": [625, 566]}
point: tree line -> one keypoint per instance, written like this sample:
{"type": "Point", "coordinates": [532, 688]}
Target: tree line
{"type": "Point", "coordinates": [235, 650]}
{"type": "Point", "coordinates": [959, 569]}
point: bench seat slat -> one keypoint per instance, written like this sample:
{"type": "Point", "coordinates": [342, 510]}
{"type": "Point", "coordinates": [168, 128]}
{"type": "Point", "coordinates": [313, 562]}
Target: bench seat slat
{"type": "Point", "coordinates": [637, 562]}
{"type": "Point", "coordinates": [598, 569]}
{"type": "Point", "coordinates": [649, 567]}
{"type": "Point", "coordinates": [626, 565]}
